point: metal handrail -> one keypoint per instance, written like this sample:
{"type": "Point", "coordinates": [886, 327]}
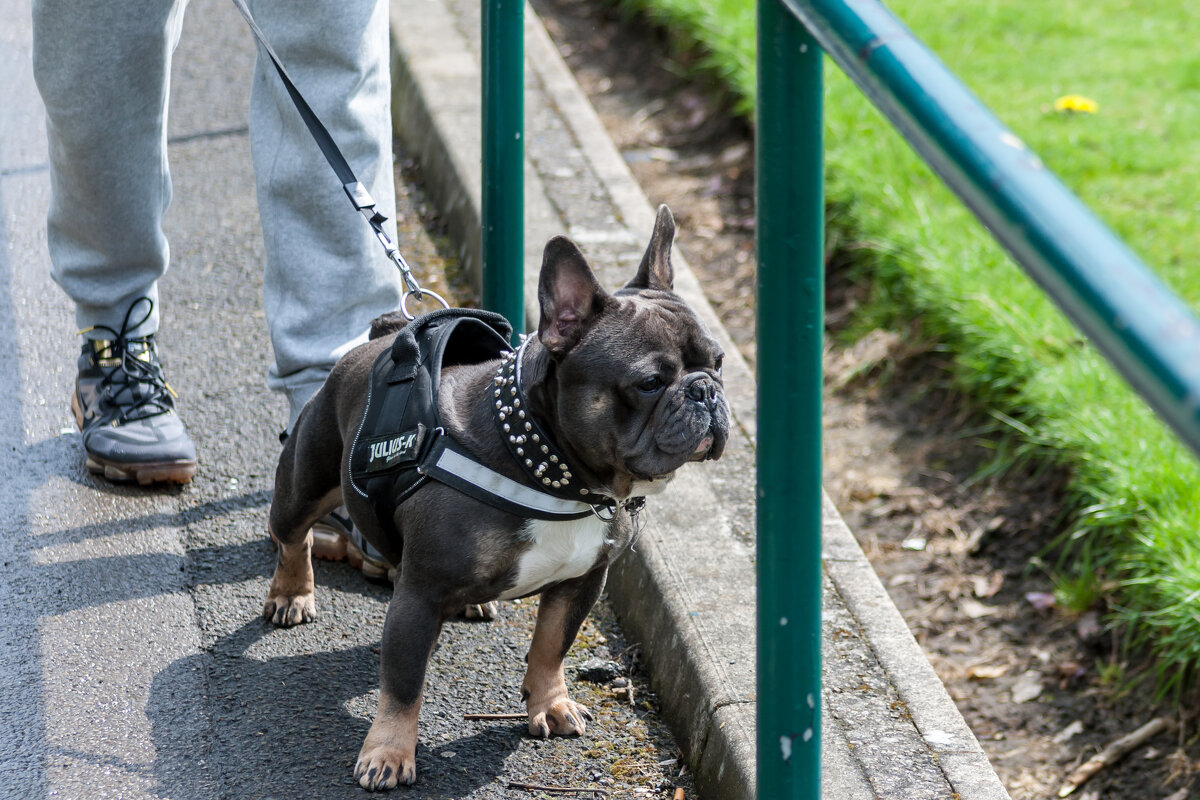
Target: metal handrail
{"type": "Point", "coordinates": [1144, 330]}
{"type": "Point", "coordinates": [503, 224]}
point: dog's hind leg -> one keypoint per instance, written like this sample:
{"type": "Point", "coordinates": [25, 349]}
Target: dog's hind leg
{"type": "Point", "coordinates": [306, 488]}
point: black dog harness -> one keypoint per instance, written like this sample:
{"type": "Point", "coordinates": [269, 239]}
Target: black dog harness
{"type": "Point", "coordinates": [400, 442]}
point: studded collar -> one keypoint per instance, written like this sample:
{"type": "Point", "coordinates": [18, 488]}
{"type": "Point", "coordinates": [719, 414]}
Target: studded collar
{"type": "Point", "coordinates": [544, 464]}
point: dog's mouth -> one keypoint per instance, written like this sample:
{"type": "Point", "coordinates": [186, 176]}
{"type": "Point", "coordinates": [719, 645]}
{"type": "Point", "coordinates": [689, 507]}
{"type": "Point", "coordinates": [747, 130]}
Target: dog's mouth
{"type": "Point", "coordinates": [711, 444]}
{"type": "Point", "coordinates": [703, 448]}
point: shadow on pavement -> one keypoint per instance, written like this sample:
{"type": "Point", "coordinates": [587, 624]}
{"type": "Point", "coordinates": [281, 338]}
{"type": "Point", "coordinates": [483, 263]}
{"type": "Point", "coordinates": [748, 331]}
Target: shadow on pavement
{"type": "Point", "coordinates": [286, 724]}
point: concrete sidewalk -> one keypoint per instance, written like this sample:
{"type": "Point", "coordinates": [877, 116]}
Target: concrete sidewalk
{"type": "Point", "coordinates": [687, 592]}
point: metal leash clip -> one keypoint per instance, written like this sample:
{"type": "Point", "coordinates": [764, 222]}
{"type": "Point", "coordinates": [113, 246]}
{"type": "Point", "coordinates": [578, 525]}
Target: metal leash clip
{"type": "Point", "coordinates": [364, 203]}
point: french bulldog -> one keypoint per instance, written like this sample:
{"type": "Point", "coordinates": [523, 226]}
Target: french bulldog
{"type": "Point", "coordinates": [628, 385]}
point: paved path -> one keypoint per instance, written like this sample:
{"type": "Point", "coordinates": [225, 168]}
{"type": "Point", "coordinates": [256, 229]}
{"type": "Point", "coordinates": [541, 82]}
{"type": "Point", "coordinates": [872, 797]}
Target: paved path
{"type": "Point", "coordinates": [134, 661]}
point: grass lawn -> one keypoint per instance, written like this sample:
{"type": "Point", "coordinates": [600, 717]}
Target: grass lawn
{"type": "Point", "coordinates": [1135, 530]}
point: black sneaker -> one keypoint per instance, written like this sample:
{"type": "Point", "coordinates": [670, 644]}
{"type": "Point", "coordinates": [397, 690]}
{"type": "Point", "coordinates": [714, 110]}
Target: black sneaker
{"type": "Point", "coordinates": [126, 411]}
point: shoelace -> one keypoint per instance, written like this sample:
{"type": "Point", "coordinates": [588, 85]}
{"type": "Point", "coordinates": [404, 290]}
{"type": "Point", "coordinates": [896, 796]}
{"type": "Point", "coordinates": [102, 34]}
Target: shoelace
{"type": "Point", "coordinates": [155, 395]}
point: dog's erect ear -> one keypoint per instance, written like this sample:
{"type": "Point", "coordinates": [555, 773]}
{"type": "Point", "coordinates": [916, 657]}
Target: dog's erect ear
{"type": "Point", "coordinates": [569, 295]}
{"type": "Point", "coordinates": [655, 271]}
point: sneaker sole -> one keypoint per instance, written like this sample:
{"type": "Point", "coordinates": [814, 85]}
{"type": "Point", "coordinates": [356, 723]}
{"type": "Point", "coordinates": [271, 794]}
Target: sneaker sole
{"type": "Point", "coordinates": [145, 473]}
{"type": "Point", "coordinates": [178, 472]}
{"type": "Point", "coordinates": [333, 545]}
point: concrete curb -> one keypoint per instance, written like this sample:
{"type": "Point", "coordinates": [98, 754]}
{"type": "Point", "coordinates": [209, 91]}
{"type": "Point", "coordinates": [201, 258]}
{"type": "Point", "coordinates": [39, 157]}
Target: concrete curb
{"type": "Point", "coordinates": [687, 592]}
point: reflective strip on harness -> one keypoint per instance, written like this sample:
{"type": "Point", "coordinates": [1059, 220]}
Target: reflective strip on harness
{"type": "Point", "coordinates": [452, 464]}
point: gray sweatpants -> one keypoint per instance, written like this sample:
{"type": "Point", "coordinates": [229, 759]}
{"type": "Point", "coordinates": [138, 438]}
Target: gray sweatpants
{"type": "Point", "coordinates": [103, 69]}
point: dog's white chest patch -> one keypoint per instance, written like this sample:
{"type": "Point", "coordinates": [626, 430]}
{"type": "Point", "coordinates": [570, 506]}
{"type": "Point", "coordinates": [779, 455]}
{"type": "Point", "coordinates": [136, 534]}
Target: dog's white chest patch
{"type": "Point", "coordinates": [559, 551]}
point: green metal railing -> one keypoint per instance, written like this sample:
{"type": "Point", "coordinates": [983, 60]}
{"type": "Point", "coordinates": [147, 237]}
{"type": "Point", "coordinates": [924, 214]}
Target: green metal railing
{"type": "Point", "coordinates": [791, 292]}
{"type": "Point", "coordinates": [1151, 336]}
{"type": "Point", "coordinates": [503, 234]}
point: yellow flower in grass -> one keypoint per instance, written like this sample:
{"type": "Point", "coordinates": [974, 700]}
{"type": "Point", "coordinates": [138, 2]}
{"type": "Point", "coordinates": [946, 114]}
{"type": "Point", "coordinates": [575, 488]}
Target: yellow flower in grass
{"type": "Point", "coordinates": [1076, 103]}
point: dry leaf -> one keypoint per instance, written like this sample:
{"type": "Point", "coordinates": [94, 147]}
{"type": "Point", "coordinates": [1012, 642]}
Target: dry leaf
{"type": "Point", "coordinates": [1028, 687]}
{"type": "Point", "coordinates": [1088, 625]}
{"type": "Point", "coordinates": [987, 585]}
{"type": "Point", "coordinates": [1068, 733]}
{"type": "Point", "coordinates": [983, 672]}
{"type": "Point", "coordinates": [1041, 600]}
{"type": "Point", "coordinates": [975, 609]}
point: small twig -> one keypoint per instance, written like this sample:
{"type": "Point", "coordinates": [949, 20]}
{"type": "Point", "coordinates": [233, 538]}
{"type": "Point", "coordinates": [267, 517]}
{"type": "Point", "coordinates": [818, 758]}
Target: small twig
{"type": "Point", "coordinates": [495, 716]}
{"type": "Point", "coordinates": [1113, 753]}
{"type": "Point", "coordinates": [533, 787]}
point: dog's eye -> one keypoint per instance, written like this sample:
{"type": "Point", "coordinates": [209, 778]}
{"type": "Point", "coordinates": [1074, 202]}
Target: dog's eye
{"type": "Point", "coordinates": [720, 361]}
{"type": "Point", "coordinates": [649, 385]}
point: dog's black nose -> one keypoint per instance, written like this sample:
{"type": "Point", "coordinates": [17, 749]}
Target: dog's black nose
{"type": "Point", "coordinates": [703, 390]}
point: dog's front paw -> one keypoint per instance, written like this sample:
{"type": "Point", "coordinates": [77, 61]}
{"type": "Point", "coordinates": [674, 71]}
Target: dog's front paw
{"type": "Point", "coordinates": [381, 768]}
{"type": "Point", "coordinates": [287, 610]}
{"type": "Point", "coordinates": [561, 716]}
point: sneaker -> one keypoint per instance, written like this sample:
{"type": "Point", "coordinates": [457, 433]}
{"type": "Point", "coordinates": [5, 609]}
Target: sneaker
{"type": "Point", "coordinates": [336, 539]}
{"type": "Point", "coordinates": [126, 412]}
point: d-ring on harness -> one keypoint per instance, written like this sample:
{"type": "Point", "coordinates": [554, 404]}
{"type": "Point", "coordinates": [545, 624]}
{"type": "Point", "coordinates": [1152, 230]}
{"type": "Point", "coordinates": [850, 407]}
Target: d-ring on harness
{"type": "Point", "coordinates": [358, 194]}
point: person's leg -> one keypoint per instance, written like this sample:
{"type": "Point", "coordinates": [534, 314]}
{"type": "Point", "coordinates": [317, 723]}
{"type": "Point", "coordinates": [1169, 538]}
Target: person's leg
{"type": "Point", "coordinates": [103, 72]}
{"type": "Point", "coordinates": [326, 275]}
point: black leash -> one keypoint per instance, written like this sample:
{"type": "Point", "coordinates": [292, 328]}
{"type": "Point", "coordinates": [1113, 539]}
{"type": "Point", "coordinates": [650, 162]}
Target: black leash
{"type": "Point", "coordinates": [356, 191]}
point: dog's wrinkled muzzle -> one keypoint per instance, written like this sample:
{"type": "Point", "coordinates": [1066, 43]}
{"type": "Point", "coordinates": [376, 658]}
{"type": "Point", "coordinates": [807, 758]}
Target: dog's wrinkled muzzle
{"type": "Point", "coordinates": [699, 423]}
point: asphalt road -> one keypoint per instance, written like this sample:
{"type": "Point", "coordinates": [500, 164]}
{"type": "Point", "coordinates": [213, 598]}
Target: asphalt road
{"type": "Point", "coordinates": [134, 661]}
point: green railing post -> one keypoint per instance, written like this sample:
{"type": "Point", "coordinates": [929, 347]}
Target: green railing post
{"type": "Point", "coordinates": [503, 160]}
{"type": "Point", "coordinates": [791, 289]}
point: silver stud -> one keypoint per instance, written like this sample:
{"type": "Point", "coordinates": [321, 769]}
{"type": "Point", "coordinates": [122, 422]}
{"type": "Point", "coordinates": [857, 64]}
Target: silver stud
{"type": "Point", "coordinates": [502, 416]}
{"type": "Point", "coordinates": [556, 484]}
{"type": "Point", "coordinates": [567, 474]}
{"type": "Point", "coordinates": [528, 462]}
{"type": "Point", "coordinates": [536, 438]}
{"type": "Point", "coordinates": [499, 405]}
{"type": "Point", "coordinates": [520, 414]}
{"type": "Point", "coordinates": [506, 428]}
{"type": "Point", "coordinates": [554, 459]}
{"type": "Point", "coordinates": [512, 439]}
{"type": "Point", "coordinates": [496, 393]}
{"type": "Point", "coordinates": [520, 451]}
{"type": "Point", "coordinates": [528, 427]}
{"type": "Point", "coordinates": [583, 491]}
{"type": "Point", "coordinates": [546, 481]}
{"type": "Point", "coordinates": [566, 482]}
{"type": "Point", "coordinates": [545, 449]}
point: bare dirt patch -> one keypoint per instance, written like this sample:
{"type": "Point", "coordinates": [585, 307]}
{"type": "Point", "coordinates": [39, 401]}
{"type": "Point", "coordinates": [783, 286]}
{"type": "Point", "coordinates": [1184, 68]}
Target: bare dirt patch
{"type": "Point", "coordinates": [1044, 687]}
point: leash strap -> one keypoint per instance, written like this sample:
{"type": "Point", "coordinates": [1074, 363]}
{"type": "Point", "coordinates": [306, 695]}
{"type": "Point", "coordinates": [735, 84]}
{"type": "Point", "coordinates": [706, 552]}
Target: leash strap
{"type": "Point", "coordinates": [360, 198]}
